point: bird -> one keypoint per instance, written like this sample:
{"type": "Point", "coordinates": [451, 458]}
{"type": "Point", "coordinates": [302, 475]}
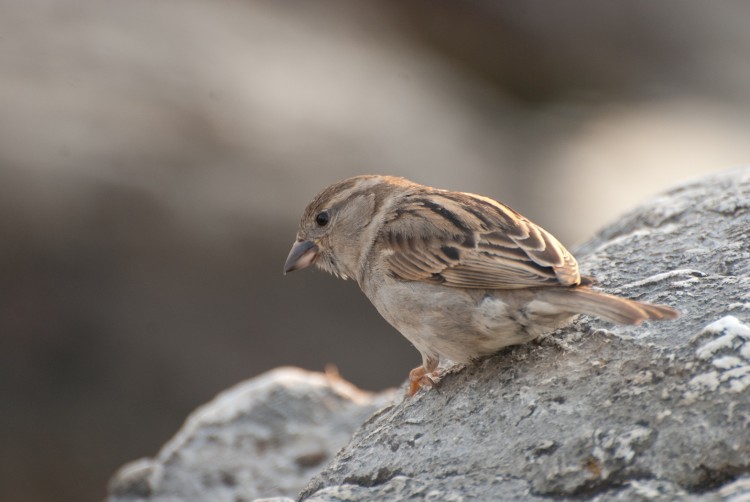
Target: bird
{"type": "Point", "coordinates": [459, 275]}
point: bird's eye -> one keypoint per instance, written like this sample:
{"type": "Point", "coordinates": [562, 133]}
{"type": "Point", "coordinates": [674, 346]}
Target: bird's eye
{"type": "Point", "coordinates": [322, 219]}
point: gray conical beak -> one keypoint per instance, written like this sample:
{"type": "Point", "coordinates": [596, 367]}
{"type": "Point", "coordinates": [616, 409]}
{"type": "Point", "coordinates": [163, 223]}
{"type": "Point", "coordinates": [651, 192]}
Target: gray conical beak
{"type": "Point", "coordinates": [302, 255]}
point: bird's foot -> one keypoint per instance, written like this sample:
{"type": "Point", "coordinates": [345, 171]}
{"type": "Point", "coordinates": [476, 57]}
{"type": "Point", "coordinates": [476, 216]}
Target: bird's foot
{"type": "Point", "coordinates": [419, 377]}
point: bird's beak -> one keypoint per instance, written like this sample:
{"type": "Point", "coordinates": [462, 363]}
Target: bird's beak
{"type": "Point", "coordinates": [302, 255]}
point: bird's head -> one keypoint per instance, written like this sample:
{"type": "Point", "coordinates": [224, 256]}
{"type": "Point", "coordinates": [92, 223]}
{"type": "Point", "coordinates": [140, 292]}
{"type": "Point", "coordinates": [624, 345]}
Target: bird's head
{"type": "Point", "coordinates": [340, 223]}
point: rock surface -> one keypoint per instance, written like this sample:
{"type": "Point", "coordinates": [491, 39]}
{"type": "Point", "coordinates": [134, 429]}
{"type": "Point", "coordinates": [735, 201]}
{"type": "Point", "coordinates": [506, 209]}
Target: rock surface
{"type": "Point", "coordinates": [264, 437]}
{"type": "Point", "coordinates": [595, 411]}
{"type": "Point", "coordinates": [592, 412]}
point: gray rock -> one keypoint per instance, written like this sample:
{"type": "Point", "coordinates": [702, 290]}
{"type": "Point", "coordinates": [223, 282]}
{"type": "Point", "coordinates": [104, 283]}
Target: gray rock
{"type": "Point", "coordinates": [264, 437]}
{"type": "Point", "coordinates": [594, 411]}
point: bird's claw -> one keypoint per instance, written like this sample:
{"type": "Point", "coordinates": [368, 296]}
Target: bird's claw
{"type": "Point", "coordinates": [419, 377]}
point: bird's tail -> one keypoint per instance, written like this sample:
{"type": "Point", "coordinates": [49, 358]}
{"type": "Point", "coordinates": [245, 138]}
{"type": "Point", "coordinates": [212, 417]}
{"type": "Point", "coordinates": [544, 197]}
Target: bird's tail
{"type": "Point", "coordinates": [611, 308]}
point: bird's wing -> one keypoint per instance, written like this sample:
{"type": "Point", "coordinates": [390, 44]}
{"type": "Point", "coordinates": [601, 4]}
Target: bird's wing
{"type": "Point", "coordinates": [469, 241]}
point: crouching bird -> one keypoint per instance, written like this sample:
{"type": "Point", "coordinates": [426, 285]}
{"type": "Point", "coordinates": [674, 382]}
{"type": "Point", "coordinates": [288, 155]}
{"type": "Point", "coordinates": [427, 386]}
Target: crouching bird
{"type": "Point", "coordinates": [459, 275]}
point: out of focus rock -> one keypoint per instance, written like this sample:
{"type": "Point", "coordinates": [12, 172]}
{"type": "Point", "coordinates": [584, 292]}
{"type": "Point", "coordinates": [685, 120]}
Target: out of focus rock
{"type": "Point", "coordinates": [264, 437]}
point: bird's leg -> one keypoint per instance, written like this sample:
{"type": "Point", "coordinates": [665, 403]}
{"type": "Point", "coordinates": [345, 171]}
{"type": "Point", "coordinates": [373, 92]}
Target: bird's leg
{"type": "Point", "coordinates": [423, 376]}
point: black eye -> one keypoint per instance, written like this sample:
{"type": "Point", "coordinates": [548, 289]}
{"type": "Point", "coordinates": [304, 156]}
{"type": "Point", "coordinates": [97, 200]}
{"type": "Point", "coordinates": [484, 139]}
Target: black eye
{"type": "Point", "coordinates": [322, 219]}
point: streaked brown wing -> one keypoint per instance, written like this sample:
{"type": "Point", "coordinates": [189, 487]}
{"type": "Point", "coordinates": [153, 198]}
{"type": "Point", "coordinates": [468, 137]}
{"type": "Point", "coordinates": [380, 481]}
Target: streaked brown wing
{"type": "Point", "coordinates": [469, 241]}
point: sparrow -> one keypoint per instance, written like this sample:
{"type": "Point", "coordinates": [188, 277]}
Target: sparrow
{"type": "Point", "coordinates": [459, 275]}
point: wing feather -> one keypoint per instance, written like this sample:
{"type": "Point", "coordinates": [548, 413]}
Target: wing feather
{"type": "Point", "coordinates": [470, 241]}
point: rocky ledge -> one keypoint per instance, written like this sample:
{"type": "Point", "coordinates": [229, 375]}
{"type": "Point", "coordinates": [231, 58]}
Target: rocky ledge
{"type": "Point", "coordinates": [593, 411]}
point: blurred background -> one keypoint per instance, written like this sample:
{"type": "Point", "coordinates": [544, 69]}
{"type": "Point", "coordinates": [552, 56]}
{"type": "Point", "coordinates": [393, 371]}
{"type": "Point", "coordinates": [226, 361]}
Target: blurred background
{"type": "Point", "coordinates": [155, 157]}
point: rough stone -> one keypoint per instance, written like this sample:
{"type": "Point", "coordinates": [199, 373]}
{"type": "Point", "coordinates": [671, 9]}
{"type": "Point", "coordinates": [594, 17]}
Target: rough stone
{"type": "Point", "coordinates": [264, 437]}
{"type": "Point", "coordinates": [594, 411]}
